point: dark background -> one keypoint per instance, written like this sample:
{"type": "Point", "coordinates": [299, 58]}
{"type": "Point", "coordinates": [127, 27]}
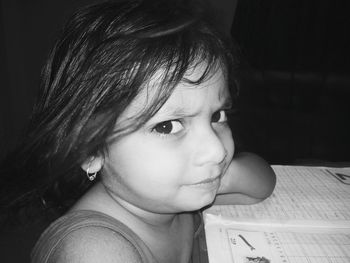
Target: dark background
{"type": "Point", "coordinates": [295, 88]}
{"type": "Point", "coordinates": [295, 100]}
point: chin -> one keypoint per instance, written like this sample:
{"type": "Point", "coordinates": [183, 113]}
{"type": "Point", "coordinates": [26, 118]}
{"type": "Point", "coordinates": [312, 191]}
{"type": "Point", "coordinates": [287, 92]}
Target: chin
{"type": "Point", "coordinates": [203, 201]}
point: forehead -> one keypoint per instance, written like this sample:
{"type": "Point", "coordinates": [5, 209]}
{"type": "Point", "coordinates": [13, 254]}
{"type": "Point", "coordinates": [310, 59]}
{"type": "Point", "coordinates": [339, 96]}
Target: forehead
{"type": "Point", "coordinates": [191, 98]}
{"type": "Point", "coordinates": [216, 82]}
{"type": "Point", "coordinates": [186, 95]}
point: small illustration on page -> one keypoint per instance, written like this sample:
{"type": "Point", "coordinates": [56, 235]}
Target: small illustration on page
{"type": "Point", "coordinates": [249, 247]}
{"type": "Point", "coordinates": [257, 260]}
{"type": "Point", "coordinates": [341, 177]}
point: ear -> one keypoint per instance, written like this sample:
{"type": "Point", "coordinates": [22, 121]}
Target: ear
{"type": "Point", "coordinates": [94, 164]}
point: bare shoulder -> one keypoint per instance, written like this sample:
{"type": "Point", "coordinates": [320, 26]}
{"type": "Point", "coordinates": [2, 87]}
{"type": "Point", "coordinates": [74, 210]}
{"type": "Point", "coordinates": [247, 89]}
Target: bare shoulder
{"type": "Point", "coordinates": [96, 244]}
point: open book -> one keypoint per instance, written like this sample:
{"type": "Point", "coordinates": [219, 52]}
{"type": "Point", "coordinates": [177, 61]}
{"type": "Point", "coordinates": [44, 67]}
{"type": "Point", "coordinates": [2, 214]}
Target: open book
{"type": "Point", "coordinates": [306, 220]}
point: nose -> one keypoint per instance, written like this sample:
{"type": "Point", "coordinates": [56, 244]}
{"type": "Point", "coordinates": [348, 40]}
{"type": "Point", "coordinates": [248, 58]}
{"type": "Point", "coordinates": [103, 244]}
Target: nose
{"type": "Point", "coordinates": [210, 148]}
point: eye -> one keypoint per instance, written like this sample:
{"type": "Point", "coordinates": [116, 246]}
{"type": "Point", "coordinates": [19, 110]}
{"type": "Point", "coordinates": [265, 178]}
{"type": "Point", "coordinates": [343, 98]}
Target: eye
{"type": "Point", "coordinates": [219, 116]}
{"type": "Point", "coordinates": [168, 127]}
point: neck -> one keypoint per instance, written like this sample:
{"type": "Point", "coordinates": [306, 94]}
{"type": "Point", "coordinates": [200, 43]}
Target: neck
{"type": "Point", "coordinates": [129, 211]}
{"type": "Point", "coordinates": [152, 219]}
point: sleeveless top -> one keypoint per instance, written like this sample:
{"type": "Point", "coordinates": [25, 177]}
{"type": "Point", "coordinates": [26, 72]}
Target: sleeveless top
{"type": "Point", "coordinates": [51, 238]}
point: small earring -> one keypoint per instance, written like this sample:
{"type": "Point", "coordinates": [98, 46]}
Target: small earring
{"type": "Point", "coordinates": [90, 176]}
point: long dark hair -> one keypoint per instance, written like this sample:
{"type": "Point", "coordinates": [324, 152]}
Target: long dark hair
{"type": "Point", "coordinates": [105, 55]}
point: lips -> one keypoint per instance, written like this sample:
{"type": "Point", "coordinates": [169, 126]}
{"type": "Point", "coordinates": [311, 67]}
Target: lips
{"type": "Point", "coordinates": [213, 176]}
{"type": "Point", "coordinates": [209, 180]}
{"type": "Point", "coordinates": [209, 183]}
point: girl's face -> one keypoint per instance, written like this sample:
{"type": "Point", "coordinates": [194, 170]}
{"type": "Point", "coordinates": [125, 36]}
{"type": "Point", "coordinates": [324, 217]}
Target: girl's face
{"type": "Point", "coordinates": [175, 162]}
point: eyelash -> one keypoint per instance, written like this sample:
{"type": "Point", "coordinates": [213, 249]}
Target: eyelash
{"type": "Point", "coordinates": [220, 111]}
{"type": "Point", "coordinates": [227, 113]}
{"type": "Point", "coordinates": [172, 126]}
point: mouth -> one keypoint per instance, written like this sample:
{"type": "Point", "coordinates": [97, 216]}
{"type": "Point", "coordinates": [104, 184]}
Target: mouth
{"type": "Point", "coordinates": [208, 183]}
{"type": "Point", "coordinates": [209, 180]}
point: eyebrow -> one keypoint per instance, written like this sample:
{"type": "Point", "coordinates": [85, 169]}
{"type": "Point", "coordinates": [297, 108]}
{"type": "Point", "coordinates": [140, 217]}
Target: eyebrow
{"type": "Point", "coordinates": [183, 112]}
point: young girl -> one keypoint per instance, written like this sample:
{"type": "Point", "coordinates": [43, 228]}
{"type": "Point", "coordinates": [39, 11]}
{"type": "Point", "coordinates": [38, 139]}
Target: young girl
{"type": "Point", "coordinates": [130, 139]}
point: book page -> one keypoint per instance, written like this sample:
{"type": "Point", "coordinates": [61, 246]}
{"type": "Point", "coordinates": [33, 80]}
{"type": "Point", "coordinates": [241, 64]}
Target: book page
{"type": "Point", "coordinates": [307, 219]}
{"type": "Point", "coordinates": [239, 244]}
{"type": "Point", "coordinates": [288, 247]}
{"type": "Point", "coordinates": [302, 194]}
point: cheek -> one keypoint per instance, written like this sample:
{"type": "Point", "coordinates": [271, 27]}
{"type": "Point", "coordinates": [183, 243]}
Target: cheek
{"type": "Point", "coordinates": [148, 163]}
{"type": "Point", "coordinates": [228, 142]}
{"type": "Point", "coordinates": [165, 166]}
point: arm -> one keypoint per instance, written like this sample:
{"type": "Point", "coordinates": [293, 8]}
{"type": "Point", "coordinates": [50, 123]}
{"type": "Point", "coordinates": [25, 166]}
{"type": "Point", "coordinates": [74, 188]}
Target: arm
{"type": "Point", "coordinates": [248, 179]}
{"type": "Point", "coordinates": [95, 245]}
